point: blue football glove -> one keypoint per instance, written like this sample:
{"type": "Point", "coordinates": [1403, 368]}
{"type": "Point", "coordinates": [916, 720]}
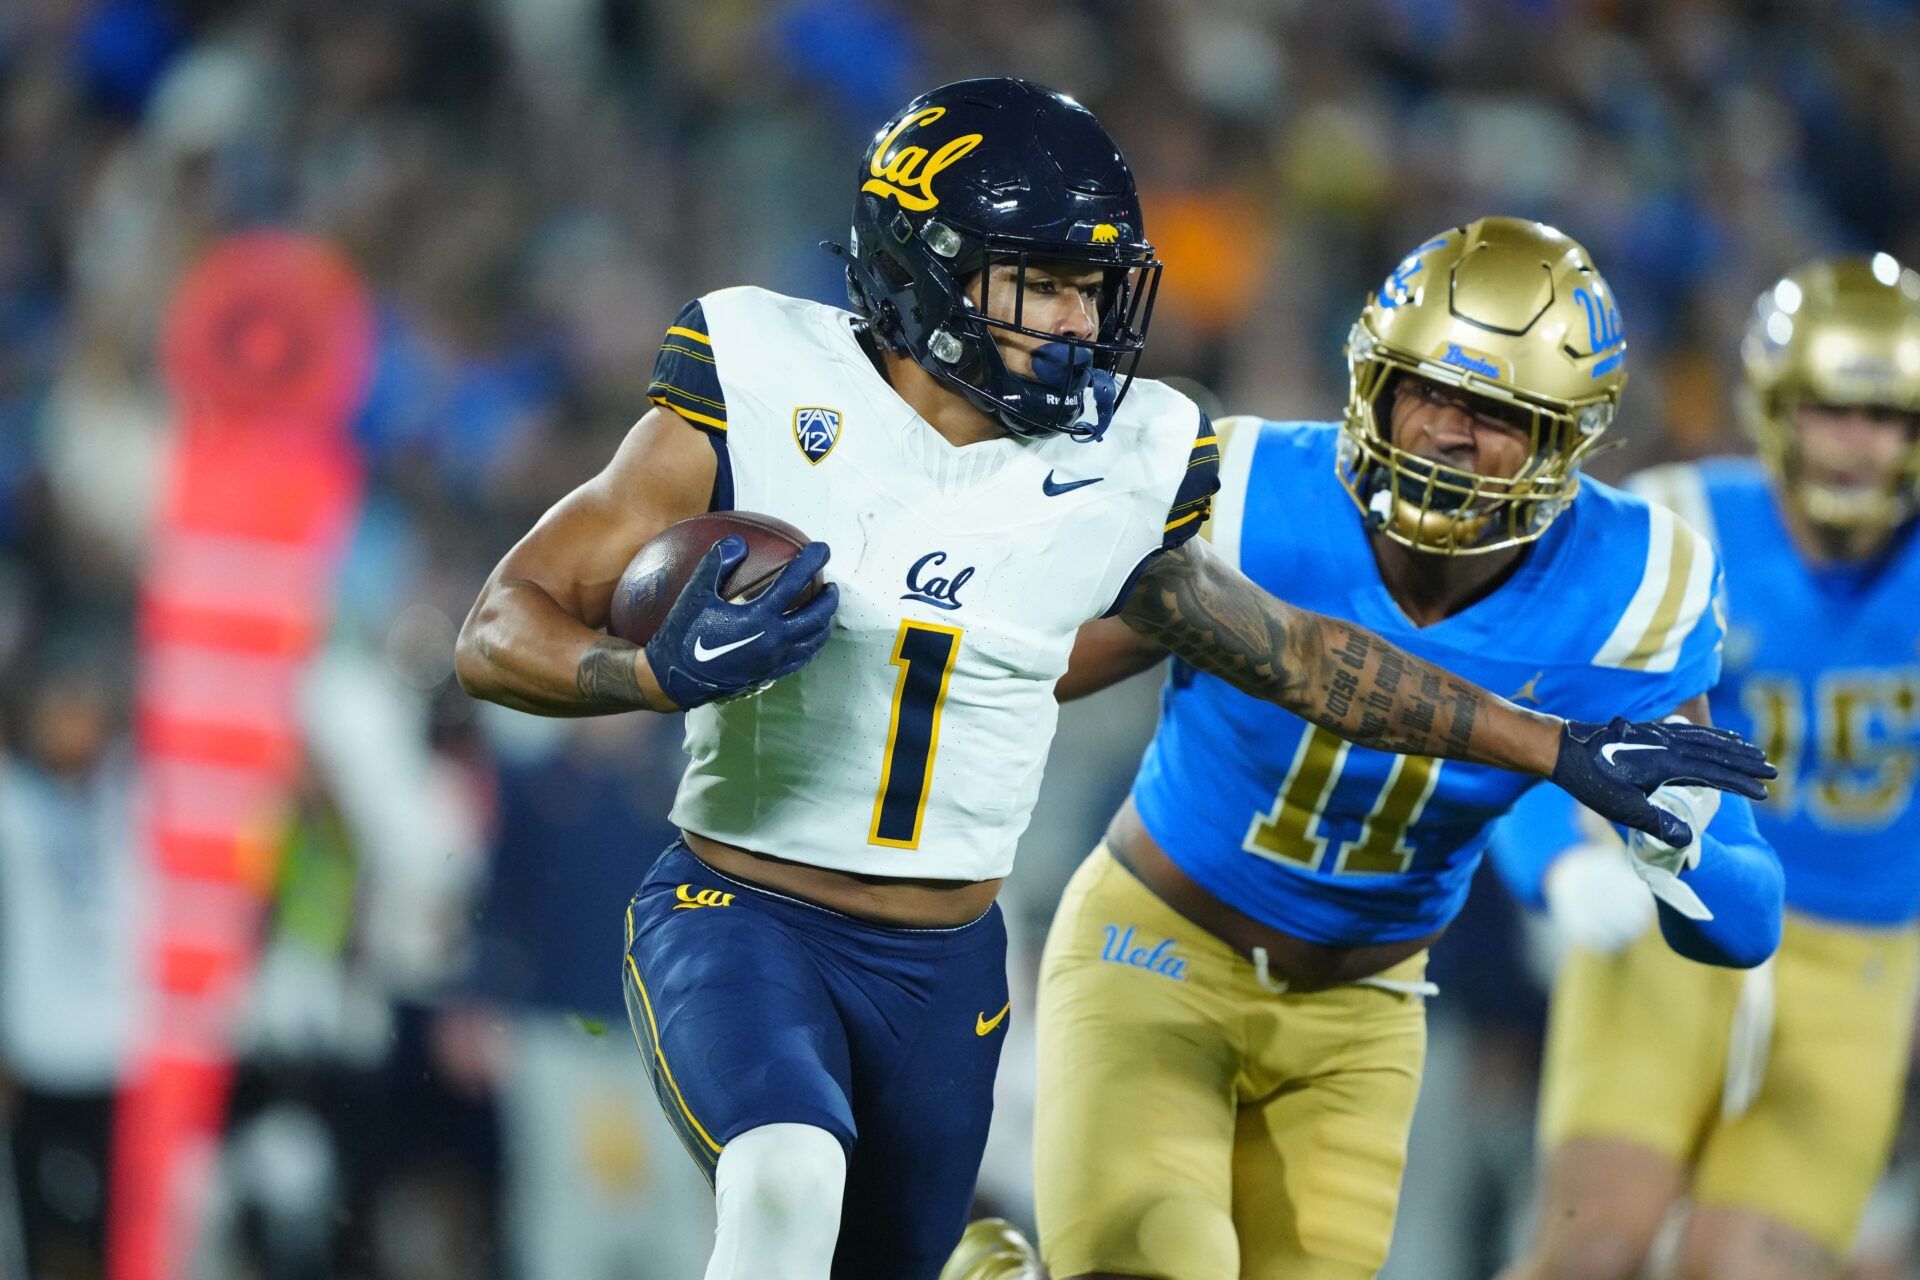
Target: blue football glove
{"type": "Point", "coordinates": [1612, 768]}
{"type": "Point", "coordinates": [709, 649]}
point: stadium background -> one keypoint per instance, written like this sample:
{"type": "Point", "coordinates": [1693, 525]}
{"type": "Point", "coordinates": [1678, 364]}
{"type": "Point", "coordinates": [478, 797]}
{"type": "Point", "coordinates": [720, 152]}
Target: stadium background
{"type": "Point", "coordinates": [435, 1079]}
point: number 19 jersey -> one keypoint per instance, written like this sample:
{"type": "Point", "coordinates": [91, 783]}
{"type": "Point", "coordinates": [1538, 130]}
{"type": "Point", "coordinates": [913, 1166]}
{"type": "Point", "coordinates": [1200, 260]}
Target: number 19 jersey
{"type": "Point", "coordinates": [913, 744]}
{"type": "Point", "coordinates": [1609, 614]}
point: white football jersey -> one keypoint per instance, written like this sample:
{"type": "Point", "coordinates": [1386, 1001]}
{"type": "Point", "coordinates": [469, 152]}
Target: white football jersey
{"type": "Point", "coordinates": [913, 744]}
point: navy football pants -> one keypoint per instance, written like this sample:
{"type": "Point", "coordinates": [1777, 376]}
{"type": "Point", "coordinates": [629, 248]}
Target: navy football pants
{"type": "Point", "coordinates": [752, 1008]}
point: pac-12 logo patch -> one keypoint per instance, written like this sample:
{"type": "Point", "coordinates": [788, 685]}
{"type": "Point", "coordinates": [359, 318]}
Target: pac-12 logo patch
{"type": "Point", "coordinates": [816, 431]}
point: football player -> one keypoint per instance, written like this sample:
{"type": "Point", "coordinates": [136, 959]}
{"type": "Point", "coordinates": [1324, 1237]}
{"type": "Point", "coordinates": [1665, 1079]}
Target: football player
{"type": "Point", "coordinates": [1767, 1100]}
{"type": "Point", "coordinates": [815, 974]}
{"type": "Point", "coordinates": [1232, 1025]}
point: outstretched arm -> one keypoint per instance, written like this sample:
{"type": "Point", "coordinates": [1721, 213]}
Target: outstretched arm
{"type": "Point", "coordinates": [1336, 674]}
{"type": "Point", "coordinates": [1344, 678]}
{"type": "Point", "coordinates": [1593, 888]}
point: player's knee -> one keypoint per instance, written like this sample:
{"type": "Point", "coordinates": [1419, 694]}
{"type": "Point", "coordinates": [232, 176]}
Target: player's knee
{"type": "Point", "coordinates": [1765, 1252]}
{"type": "Point", "coordinates": [1593, 1254]}
{"type": "Point", "coordinates": [783, 1173]}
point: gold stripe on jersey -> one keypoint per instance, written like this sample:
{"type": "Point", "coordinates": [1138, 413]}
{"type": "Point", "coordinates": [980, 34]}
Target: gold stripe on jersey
{"type": "Point", "coordinates": [681, 349]}
{"type": "Point", "coordinates": [685, 412]}
{"type": "Point", "coordinates": [1675, 589]}
{"type": "Point", "coordinates": [1667, 613]}
{"type": "Point", "coordinates": [686, 376]}
{"type": "Point", "coordinates": [670, 389]}
{"type": "Point", "coordinates": [1194, 498]}
{"type": "Point", "coordinates": [660, 1057]}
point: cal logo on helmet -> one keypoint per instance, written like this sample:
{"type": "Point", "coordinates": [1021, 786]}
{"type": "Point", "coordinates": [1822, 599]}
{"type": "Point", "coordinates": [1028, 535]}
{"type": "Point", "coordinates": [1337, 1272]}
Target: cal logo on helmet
{"type": "Point", "coordinates": [816, 431]}
{"type": "Point", "coordinates": [1099, 233]}
{"type": "Point", "coordinates": [906, 174]}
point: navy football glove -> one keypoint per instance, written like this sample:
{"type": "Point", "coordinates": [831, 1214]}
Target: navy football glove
{"type": "Point", "coordinates": [709, 649]}
{"type": "Point", "coordinates": [1612, 768]}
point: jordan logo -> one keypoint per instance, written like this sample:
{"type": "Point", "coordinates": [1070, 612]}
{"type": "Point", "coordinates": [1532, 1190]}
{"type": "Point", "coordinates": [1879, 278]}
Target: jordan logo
{"type": "Point", "coordinates": [1527, 693]}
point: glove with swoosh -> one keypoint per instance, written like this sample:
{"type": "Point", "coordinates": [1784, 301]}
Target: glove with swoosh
{"type": "Point", "coordinates": [1613, 768]}
{"type": "Point", "coordinates": [711, 649]}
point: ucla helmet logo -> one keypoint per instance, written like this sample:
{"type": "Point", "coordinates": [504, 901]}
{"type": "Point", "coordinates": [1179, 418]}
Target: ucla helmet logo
{"type": "Point", "coordinates": [816, 431]}
{"type": "Point", "coordinates": [1504, 311]}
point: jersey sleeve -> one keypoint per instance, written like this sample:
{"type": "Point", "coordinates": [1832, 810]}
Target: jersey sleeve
{"type": "Point", "coordinates": [1238, 436]}
{"type": "Point", "coordinates": [686, 379]}
{"type": "Point", "coordinates": [1191, 503]}
{"type": "Point", "coordinates": [1193, 499]}
{"type": "Point", "coordinates": [1671, 628]}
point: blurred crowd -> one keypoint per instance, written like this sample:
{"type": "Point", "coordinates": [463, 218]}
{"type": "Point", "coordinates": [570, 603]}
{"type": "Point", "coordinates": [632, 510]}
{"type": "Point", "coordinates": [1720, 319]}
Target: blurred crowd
{"type": "Point", "coordinates": [436, 1074]}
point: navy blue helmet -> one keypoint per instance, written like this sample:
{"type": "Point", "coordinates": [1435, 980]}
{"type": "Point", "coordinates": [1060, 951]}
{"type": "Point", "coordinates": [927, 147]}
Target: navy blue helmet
{"type": "Point", "coordinates": [982, 173]}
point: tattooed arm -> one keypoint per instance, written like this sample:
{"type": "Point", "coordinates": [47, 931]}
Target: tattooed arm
{"type": "Point", "coordinates": [532, 641]}
{"type": "Point", "coordinates": [1336, 674]}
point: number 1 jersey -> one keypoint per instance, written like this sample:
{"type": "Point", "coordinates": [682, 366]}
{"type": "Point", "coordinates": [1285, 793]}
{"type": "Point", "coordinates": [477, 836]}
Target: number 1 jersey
{"type": "Point", "coordinates": [1608, 615]}
{"type": "Point", "coordinates": [913, 745]}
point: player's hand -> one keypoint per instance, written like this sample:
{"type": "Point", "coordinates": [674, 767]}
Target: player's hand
{"type": "Point", "coordinates": [1596, 899]}
{"type": "Point", "coordinates": [709, 648]}
{"type": "Point", "coordinates": [1613, 768]}
{"type": "Point", "coordinates": [1659, 864]}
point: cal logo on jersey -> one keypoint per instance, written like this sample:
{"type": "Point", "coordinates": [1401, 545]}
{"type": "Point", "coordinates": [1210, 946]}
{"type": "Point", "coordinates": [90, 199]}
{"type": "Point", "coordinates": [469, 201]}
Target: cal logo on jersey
{"type": "Point", "coordinates": [816, 430]}
{"type": "Point", "coordinates": [942, 591]}
{"type": "Point", "coordinates": [692, 899]}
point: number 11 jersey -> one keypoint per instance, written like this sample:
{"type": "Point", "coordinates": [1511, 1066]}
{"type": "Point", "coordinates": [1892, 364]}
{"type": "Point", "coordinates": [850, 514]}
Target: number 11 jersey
{"type": "Point", "coordinates": [913, 745]}
{"type": "Point", "coordinates": [1609, 614]}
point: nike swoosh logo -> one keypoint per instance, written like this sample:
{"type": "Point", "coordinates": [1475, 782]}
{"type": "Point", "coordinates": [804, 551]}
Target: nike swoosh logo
{"type": "Point", "coordinates": [1613, 749]}
{"type": "Point", "coordinates": [703, 654]}
{"type": "Point", "coordinates": [1053, 490]}
{"type": "Point", "coordinates": [983, 1025]}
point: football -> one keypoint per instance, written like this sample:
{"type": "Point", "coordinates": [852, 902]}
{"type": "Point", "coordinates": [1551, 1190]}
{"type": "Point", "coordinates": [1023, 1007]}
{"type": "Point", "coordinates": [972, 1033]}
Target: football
{"type": "Point", "coordinates": [659, 571]}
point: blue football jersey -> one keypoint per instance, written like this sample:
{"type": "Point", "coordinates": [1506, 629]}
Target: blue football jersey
{"type": "Point", "coordinates": [1823, 671]}
{"type": "Point", "coordinates": [1608, 615]}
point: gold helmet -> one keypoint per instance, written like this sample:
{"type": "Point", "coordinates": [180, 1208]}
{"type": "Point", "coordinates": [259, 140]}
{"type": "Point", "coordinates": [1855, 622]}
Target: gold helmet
{"type": "Point", "coordinates": [1841, 332]}
{"type": "Point", "coordinates": [1503, 309]}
